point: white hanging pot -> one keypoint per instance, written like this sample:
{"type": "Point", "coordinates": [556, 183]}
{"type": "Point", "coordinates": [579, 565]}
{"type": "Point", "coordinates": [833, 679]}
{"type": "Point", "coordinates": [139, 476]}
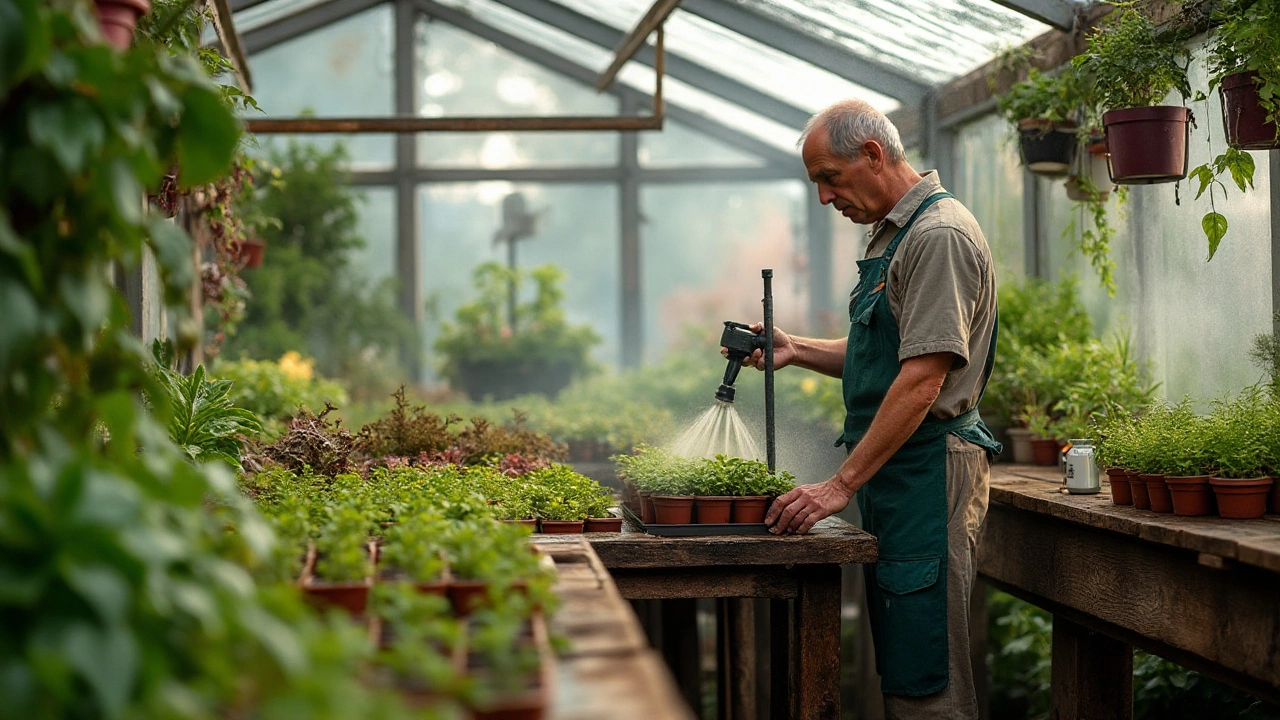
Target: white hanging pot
{"type": "Point", "coordinates": [1091, 163]}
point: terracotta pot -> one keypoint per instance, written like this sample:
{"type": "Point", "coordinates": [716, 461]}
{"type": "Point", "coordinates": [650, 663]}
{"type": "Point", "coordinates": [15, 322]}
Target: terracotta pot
{"type": "Point", "coordinates": [562, 527]}
{"type": "Point", "coordinates": [713, 509]}
{"type": "Point", "coordinates": [350, 596]}
{"type": "Point", "coordinates": [1243, 118]}
{"type": "Point", "coordinates": [672, 509]}
{"type": "Point", "coordinates": [1148, 144]}
{"type": "Point", "coordinates": [250, 253]}
{"type": "Point", "coordinates": [1121, 494]}
{"type": "Point", "coordinates": [1092, 163]}
{"type": "Point", "coordinates": [1141, 499]}
{"type": "Point", "coordinates": [468, 595]}
{"type": "Point", "coordinates": [1241, 498]}
{"type": "Point", "coordinates": [1045, 451]}
{"type": "Point", "coordinates": [118, 18]}
{"type": "Point", "coordinates": [1158, 493]}
{"type": "Point", "coordinates": [1047, 148]}
{"type": "Point", "coordinates": [1020, 442]}
{"type": "Point", "coordinates": [530, 522]}
{"type": "Point", "coordinates": [1191, 494]}
{"type": "Point", "coordinates": [611, 524]}
{"type": "Point", "coordinates": [750, 509]}
{"type": "Point", "coordinates": [647, 514]}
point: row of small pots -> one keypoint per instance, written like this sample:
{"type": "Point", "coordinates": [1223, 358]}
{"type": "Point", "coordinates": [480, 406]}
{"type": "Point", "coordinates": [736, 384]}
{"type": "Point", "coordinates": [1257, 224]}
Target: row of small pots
{"type": "Point", "coordinates": [702, 509]}
{"type": "Point", "coordinates": [1195, 494]}
{"type": "Point", "coordinates": [566, 527]}
{"type": "Point", "coordinates": [1146, 145]}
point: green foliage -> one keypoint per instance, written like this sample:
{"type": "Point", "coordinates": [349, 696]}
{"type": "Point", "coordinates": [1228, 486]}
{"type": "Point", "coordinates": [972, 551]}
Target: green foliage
{"type": "Point", "coordinates": [1131, 63]}
{"type": "Point", "coordinates": [1096, 234]}
{"type": "Point", "coordinates": [660, 472]}
{"type": "Point", "coordinates": [413, 547]}
{"type": "Point", "coordinates": [1241, 434]}
{"type": "Point", "coordinates": [559, 493]}
{"type": "Point", "coordinates": [481, 330]}
{"type": "Point", "coordinates": [1265, 354]}
{"type": "Point", "coordinates": [1042, 96]}
{"type": "Point", "coordinates": [275, 391]}
{"type": "Point", "coordinates": [306, 297]}
{"type": "Point", "coordinates": [1243, 40]}
{"type": "Point", "coordinates": [1019, 642]}
{"type": "Point", "coordinates": [342, 547]}
{"type": "Point", "coordinates": [407, 431]}
{"type": "Point", "coordinates": [1239, 164]}
{"type": "Point", "coordinates": [204, 420]}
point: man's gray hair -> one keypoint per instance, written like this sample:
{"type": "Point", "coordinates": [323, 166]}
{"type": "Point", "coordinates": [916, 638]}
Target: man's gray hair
{"type": "Point", "coordinates": [850, 123]}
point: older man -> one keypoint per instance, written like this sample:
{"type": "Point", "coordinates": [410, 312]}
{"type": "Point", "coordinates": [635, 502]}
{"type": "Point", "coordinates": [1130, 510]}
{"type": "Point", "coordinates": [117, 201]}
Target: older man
{"type": "Point", "coordinates": [920, 349]}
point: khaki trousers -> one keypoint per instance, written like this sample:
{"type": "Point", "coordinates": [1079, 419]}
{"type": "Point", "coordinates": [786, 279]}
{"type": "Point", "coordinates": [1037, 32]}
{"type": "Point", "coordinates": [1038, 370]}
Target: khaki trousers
{"type": "Point", "coordinates": [968, 480]}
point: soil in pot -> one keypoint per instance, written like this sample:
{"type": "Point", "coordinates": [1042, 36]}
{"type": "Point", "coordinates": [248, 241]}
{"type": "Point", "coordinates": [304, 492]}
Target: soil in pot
{"type": "Point", "coordinates": [1121, 494]}
{"type": "Point", "coordinates": [1158, 493]}
{"type": "Point", "coordinates": [1148, 144]}
{"type": "Point", "coordinates": [1047, 147]}
{"type": "Point", "coordinates": [1243, 118]}
{"type": "Point", "coordinates": [714, 509]}
{"type": "Point", "coordinates": [1191, 494]}
{"type": "Point", "coordinates": [1044, 451]}
{"type": "Point", "coordinates": [750, 509]}
{"type": "Point", "coordinates": [1240, 499]}
{"type": "Point", "coordinates": [611, 524]}
{"type": "Point", "coordinates": [672, 509]}
{"type": "Point", "coordinates": [1141, 499]}
{"type": "Point", "coordinates": [562, 527]}
{"type": "Point", "coordinates": [1020, 440]}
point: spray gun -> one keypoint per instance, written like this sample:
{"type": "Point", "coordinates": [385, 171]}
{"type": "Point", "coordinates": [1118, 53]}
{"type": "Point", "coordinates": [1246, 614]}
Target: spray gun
{"type": "Point", "coordinates": [740, 343]}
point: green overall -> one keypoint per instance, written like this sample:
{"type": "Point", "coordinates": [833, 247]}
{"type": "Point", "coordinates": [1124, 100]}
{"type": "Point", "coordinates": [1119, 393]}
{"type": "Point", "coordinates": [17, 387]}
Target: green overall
{"type": "Point", "coordinates": [905, 504]}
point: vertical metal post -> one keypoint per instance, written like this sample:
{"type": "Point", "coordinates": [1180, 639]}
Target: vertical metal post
{"type": "Point", "coordinates": [632, 346]}
{"type": "Point", "coordinates": [818, 220]}
{"type": "Point", "coordinates": [1035, 263]}
{"type": "Point", "coordinates": [1274, 179]}
{"type": "Point", "coordinates": [406, 188]}
{"type": "Point", "coordinates": [771, 450]}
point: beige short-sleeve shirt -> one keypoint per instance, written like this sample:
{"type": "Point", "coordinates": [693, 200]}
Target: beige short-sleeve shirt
{"type": "Point", "coordinates": [942, 290]}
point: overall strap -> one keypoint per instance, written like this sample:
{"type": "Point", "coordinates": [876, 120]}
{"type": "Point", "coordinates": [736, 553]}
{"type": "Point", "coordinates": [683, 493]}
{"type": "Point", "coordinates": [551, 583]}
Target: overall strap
{"type": "Point", "coordinates": [893, 244]}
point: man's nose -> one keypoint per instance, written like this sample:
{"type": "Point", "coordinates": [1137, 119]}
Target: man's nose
{"type": "Point", "coordinates": [825, 195]}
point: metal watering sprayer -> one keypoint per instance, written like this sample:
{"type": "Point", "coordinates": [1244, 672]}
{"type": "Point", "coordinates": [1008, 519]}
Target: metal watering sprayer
{"type": "Point", "coordinates": [740, 343]}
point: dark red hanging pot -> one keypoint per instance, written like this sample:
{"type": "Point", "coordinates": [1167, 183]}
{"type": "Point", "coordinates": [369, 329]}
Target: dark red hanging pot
{"type": "Point", "coordinates": [1148, 144]}
{"type": "Point", "coordinates": [1243, 118]}
{"type": "Point", "coordinates": [118, 18]}
{"type": "Point", "coordinates": [1047, 147]}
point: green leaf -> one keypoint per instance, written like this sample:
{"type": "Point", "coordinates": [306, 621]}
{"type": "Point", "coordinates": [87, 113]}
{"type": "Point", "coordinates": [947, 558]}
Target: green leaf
{"type": "Point", "coordinates": [68, 129]}
{"type": "Point", "coordinates": [1215, 227]}
{"type": "Point", "coordinates": [126, 190]}
{"type": "Point", "coordinates": [173, 252]}
{"type": "Point", "coordinates": [104, 588]}
{"type": "Point", "coordinates": [1241, 165]}
{"type": "Point", "coordinates": [21, 320]}
{"type": "Point", "coordinates": [1204, 175]}
{"type": "Point", "coordinates": [108, 660]}
{"type": "Point", "coordinates": [207, 137]}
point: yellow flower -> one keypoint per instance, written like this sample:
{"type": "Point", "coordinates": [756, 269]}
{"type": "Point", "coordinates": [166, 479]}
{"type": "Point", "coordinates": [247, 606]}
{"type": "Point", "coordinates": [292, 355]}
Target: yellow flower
{"type": "Point", "coordinates": [295, 368]}
{"type": "Point", "coordinates": [809, 386]}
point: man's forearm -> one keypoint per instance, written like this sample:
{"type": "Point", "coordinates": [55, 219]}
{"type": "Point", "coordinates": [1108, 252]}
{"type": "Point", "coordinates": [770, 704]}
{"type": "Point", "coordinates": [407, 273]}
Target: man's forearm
{"type": "Point", "coordinates": [904, 408]}
{"type": "Point", "coordinates": [820, 354]}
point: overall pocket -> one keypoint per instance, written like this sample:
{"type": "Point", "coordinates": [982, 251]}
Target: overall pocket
{"type": "Point", "coordinates": [911, 598]}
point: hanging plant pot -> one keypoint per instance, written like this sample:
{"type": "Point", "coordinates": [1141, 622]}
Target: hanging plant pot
{"type": "Point", "coordinates": [1245, 498]}
{"type": "Point", "coordinates": [1158, 492]}
{"type": "Point", "coordinates": [250, 253]}
{"type": "Point", "coordinates": [1120, 492]}
{"type": "Point", "coordinates": [1148, 145]}
{"type": "Point", "coordinates": [1092, 163]}
{"type": "Point", "coordinates": [1047, 147]}
{"type": "Point", "coordinates": [1243, 118]}
{"type": "Point", "coordinates": [118, 18]}
{"type": "Point", "coordinates": [1191, 494]}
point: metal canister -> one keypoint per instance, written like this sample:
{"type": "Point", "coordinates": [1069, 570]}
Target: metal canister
{"type": "Point", "coordinates": [1081, 468]}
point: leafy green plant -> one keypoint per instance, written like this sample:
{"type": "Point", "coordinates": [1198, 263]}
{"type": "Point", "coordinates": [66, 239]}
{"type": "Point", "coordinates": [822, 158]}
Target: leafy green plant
{"type": "Point", "coordinates": [1265, 354]}
{"type": "Point", "coordinates": [423, 635]}
{"type": "Point", "coordinates": [342, 548]}
{"type": "Point", "coordinates": [407, 431]}
{"type": "Point", "coordinates": [1240, 166]}
{"type": "Point", "coordinates": [1243, 40]}
{"type": "Point", "coordinates": [482, 330]}
{"type": "Point", "coordinates": [1240, 434]}
{"type": "Point", "coordinates": [413, 547]}
{"type": "Point", "coordinates": [1130, 62]}
{"type": "Point", "coordinates": [1095, 231]}
{"type": "Point", "coordinates": [276, 391]}
{"type": "Point", "coordinates": [657, 471]}
{"type": "Point", "coordinates": [205, 421]}
{"type": "Point", "coordinates": [1054, 97]}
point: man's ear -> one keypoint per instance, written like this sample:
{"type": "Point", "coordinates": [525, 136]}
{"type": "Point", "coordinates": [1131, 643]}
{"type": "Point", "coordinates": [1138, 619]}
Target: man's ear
{"type": "Point", "coordinates": [875, 155]}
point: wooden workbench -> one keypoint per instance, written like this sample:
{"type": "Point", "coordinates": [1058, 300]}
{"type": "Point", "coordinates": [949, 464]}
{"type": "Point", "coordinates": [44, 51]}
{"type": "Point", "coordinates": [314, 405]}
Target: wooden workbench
{"type": "Point", "coordinates": [1201, 591]}
{"type": "Point", "coordinates": [800, 574]}
{"type": "Point", "coordinates": [608, 670]}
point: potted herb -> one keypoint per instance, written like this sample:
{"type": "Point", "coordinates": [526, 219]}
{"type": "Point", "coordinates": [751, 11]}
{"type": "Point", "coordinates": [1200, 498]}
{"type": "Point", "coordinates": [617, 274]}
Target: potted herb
{"type": "Point", "coordinates": [508, 659]}
{"type": "Point", "coordinates": [1243, 61]}
{"type": "Point", "coordinates": [1041, 109]}
{"type": "Point", "coordinates": [599, 519]}
{"type": "Point", "coordinates": [660, 478]}
{"type": "Point", "coordinates": [418, 642]}
{"type": "Point", "coordinates": [1046, 449]}
{"type": "Point", "coordinates": [1112, 436]}
{"type": "Point", "coordinates": [1132, 66]}
{"type": "Point", "coordinates": [1186, 461]}
{"type": "Point", "coordinates": [341, 572]}
{"type": "Point", "coordinates": [412, 550]}
{"type": "Point", "coordinates": [1242, 451]}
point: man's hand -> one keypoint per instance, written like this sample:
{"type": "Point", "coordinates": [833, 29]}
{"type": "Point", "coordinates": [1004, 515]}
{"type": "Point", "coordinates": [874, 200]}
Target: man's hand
{"type": "Point", "coordinates": [784, 352]}
{"type": "Point", "coordinates": [800, 509]}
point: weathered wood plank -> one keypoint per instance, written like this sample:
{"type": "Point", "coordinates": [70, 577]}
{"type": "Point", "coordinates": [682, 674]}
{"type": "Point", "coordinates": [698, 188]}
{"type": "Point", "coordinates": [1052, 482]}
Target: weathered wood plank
{"type": "Point", "coordinates": [1036, 489]}
{"type": "Point", "coordinates": [1091, 675]}
{"type": "Point", "coordinates": [680, 648]}
{"type": "Point", "coordinates": [815, 658]}
{"type": "Point", "coordinates": [634, 687]}
{"type": "Point", "coordinates": [740, 653]}
{"type": "Point", "coordinates": [832, 541]}
{"type": "Point", "coordinates": [1224, 622]}
{"type": "Point", "coordinates": [655, 584]}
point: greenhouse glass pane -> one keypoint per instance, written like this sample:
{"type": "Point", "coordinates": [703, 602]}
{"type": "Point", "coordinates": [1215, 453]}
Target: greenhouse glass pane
{"type": "Point", "coordinates": [462, 75]}
{"type": "Point", "coordinates": [376, 223]}
{"type": "Point", "coordinates": [988, 180]}
{"type": "Point", "coordinates": [578, 231]}
{"type": "Point", "coordinates": [935, 40]}
{"type": "Point", "coordinates": [702, 250]}
{"type": "Point", "coordinates": [679, 146]}
{"type": "Point", "coordinates": [342, 70]}
{"type": "Point", "coordinates": [268, 12]}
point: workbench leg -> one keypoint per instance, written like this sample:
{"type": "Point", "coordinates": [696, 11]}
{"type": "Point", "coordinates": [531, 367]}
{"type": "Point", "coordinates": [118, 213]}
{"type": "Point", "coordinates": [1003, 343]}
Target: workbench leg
{"type": "Point", "coordinates": [815, 652]}
{"type": "Point", "coordinates": [1092, 675]}
{"type": "Point", "coordinates": [736, 643]}
{"type": "Point", "coordinates": [763, 676]}
{"type": "Point", "coordinates": [780, 670]}
{"type": "Point", "coordinates": [680, 648]}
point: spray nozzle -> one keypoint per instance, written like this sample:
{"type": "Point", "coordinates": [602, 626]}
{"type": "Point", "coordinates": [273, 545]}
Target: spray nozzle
{"type": "Point", "coordinates": [740, 342]}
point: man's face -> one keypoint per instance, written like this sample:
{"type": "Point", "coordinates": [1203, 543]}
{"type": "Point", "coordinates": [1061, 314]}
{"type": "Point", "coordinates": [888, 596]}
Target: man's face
{"type": "Point", "coordinates": [850, 185]}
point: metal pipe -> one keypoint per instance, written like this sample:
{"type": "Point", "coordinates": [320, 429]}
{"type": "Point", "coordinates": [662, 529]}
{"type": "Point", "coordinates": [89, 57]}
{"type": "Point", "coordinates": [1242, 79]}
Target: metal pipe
{"type": "Point", "coordinates": [456, 124]}
{"type": "Point", "coordinates": [771, 448]}
{"type": "Point", "coordinates": [634, 40]}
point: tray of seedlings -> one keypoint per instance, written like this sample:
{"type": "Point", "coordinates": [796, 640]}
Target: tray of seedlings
{"type": "Point", "coordinates": [673, 496]}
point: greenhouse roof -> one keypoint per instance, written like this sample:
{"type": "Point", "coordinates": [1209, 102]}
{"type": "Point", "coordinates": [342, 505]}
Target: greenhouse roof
{"type": "Point", "coordinates": [760, 67]}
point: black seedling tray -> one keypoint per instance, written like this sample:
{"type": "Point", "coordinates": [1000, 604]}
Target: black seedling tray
{"type": "Point", "coordinates": [694, 529]}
